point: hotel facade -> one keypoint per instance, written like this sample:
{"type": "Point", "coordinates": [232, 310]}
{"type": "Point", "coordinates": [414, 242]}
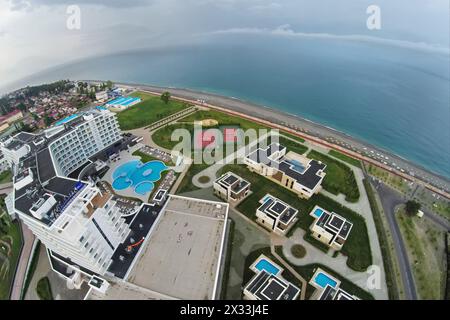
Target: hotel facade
{"type": "Point", "coordinates": [72, 218]}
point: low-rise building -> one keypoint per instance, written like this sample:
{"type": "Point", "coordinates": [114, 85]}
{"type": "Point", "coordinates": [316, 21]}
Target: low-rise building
{"type": "Point", "coordinates": [292, 171]}
{"type": "Point", "coordinates": [330, 228]}
{"type": "Point", "coordinates": [268, 284]}
{"type": "Point", "coordinates": [328, 287]}
{"type": "Point", "coordinates": [275, 214]}
{"type": "Point", "coordinates": [101, 96]}
{"type": "Point", "coordinates": [231, 187]}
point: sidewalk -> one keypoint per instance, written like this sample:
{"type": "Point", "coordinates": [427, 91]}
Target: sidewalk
{"type": "Point", "coordinates": [25, 255]}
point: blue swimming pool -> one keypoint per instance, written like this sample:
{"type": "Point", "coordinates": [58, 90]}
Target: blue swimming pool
{"type": "Point", "coordinates": [322, 280]}
{"type": "Point", "coordinates": [67, 119]}
{"type": "Point", "coordinates": [137, 175]}
{"type": "Point", "coordinates": [263, 264]}
{"type": "Point", "coordinates": [318, 212]}
{"type": "Point", "coordinates": [298, 166]}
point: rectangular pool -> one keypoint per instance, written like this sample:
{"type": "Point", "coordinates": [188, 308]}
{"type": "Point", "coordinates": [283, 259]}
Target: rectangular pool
{"type": "Point", "coordinates": [322, 280]}
{"type": "Point", "coordinates": [263, 264]}
{"type": "Point", "coordinates": [318, 212]}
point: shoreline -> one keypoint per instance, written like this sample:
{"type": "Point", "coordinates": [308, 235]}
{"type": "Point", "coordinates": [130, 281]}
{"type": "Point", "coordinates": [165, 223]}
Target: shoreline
{"type": "Point", "coordinates": [309, 130]}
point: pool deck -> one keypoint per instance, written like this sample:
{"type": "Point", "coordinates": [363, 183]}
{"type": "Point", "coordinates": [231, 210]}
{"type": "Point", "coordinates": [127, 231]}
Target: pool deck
{"type": "Point", "coordinates": [125, 157]}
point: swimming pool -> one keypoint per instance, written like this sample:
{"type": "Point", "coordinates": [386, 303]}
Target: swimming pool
{"type": "Point", "coordinates": [322, 280]}
{"type": "Point", "coordinates": [137, 175]}
{"type": "Point", "coordinates": [298, 166]}
{"type": "Point", "coordinates": [318, 212]}
{"type": "Point", "coordinates": [263, 264]}
{"type": "Point", "coordinates": [67, 119]}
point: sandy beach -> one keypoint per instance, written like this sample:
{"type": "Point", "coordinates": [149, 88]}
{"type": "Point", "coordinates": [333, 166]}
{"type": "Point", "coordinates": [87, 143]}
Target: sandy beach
{"type": "Point", "coordinates": [314, 132]}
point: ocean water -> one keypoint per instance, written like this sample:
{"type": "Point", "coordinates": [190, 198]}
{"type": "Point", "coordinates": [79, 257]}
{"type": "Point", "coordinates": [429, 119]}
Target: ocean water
{"type": "Point", "coordinates": [392, 97]}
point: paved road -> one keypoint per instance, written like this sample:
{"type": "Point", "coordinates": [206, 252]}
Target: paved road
{"type": "Point", "coordinates": [19, 278]}
{"type": "Point", "coordinates": [390, 199]}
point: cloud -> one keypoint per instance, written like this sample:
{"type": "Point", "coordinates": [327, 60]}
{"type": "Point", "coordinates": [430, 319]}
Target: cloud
{"type": "Point", "coordinates": [20, 5]}
{"type": "Point", "coordinates": [286, 31]}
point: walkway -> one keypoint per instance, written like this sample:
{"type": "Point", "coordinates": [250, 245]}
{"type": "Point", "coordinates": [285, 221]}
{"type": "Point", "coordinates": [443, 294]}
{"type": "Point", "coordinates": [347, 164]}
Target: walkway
{"type": "Point", "coordinates": [25, 255]}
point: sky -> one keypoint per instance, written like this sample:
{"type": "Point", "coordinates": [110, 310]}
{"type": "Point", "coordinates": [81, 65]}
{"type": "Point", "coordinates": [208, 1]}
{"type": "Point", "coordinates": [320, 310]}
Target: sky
{"type": "Point", "coordinates": [34, 34]}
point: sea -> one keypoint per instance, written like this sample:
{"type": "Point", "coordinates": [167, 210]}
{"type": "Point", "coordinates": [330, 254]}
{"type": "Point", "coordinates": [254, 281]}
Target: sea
{"type": "Point", "coordinates": [393, 97]}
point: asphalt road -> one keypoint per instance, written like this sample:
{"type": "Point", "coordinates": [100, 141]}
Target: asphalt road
{"type": "Point", "coordinates": [390, 199]}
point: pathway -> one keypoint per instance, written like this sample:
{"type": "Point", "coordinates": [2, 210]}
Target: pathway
{"type": "Point", "coordinates": [25, 255]}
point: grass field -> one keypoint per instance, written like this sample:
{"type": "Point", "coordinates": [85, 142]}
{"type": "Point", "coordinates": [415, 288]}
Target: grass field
{"type": "Point", "coordinates": [44, 290]}
{"type": "Point", "coordinates": [343, 157]}
{"type": "Point", "coordinates": [357, 246]}
{"type": "Point", "coordinates": [426, 252]}
{"type": "Point", "coordinates": [222, 119]}
{"type": "Point", "coordinates": [296, 147]}
{"type": "Point", "coordinates": [392, 272]}
{"type": "Point", "coordinates": [186, 185]}
{"type": "Point", "coordinates": [10, 245]}
{"type": "Point", "coordinates": [151, 109]}
{"type": "Point", "coordinates": [339, 177]}
{"type": "Point", "coordinates": [6, 176]}
{"type": "Point", "coordinates": [390, 179]}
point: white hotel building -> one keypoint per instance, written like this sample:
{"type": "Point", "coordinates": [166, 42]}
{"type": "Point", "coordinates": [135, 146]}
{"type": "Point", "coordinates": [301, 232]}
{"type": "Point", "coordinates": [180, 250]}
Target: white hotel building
{"type": "Point", "coordinates": [72, 218]}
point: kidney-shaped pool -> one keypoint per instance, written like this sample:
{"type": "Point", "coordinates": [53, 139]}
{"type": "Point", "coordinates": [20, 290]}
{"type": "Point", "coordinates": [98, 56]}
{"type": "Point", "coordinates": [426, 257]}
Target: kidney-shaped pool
{"type": "Point", "coordinates": [137, 175]}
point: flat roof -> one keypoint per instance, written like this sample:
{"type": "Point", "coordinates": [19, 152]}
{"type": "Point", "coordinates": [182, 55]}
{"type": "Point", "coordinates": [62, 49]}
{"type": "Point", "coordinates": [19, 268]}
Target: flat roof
{"type": "Point", "coordinates": [276, 208]}
{"type": "Point", "coordinates": [308, 178]}
{"type": "Point", "coordinates": [140, 227]}
{"type": "Point", "coordinates": [181, 257]}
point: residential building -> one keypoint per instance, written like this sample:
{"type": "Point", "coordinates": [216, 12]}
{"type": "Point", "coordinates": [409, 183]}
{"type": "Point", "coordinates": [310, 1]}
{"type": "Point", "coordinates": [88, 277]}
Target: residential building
{"type": "Point", "coordinates": [328, 287]}
{"type": "Point", "coordinates": [330, 228]}
{"type": "Point", "coordinates": [292, 171]}
{"type": "Point", "coordinates": [231, 188]}
{"type": "Point", "coordinates": [268, 284]}
{"type": "Point", "coordinates": [275, 214]}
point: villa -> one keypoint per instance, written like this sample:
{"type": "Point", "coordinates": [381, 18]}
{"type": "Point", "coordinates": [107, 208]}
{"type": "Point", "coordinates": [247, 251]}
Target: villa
{"type": "Point", "coordinates": [231, 187]}
{"type": "Point", "coordinates": [268, 284]}
{"type": "Point", "coordinates": [328, 287]}
{"type": "Point", "coordinates": [330, 228]}
{"type": "Point", "coordinates": [292, 171]}
{"type": "Point", "coordinates": [275, 214]}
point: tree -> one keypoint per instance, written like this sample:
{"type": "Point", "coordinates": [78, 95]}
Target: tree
{"type": "Point", "coordinates": [48, 120]}
{"type": "Point", "coordinates": [165, 97]}
{"type": "Point", "coordinates": [22, 107]}
{"type": "Point", "coordinates": [109, 84]}
{"type": "Point", "coordinates": [412, 207]}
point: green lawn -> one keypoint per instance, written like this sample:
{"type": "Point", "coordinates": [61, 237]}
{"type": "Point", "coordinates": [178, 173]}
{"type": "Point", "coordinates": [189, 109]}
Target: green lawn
{"type": "Point", "coordinates": [293, 146]}
{"type": "Point", "coordinates": [6, 176]}
{"type": "Point", "coordinates": [10, 246]}
{"type": "Point", "coordinates": [357, 246]}
{"type": "Point", "coordinates": [339, 177]}
{"type": "Point", "coordinates": [223, 119]}
{"type": "Point", "coordinates": [292, 136]}
{"type": "Point", "coordinates": [343, 157]}
{"type": "Point", "coordinates": [151, 109]}
{"type": "Point", "coordinates": [163, 136]}
{"type": "Point", "coordinates": [186, 185]}
{"type": "Point", "coordinates": [44, 290]}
